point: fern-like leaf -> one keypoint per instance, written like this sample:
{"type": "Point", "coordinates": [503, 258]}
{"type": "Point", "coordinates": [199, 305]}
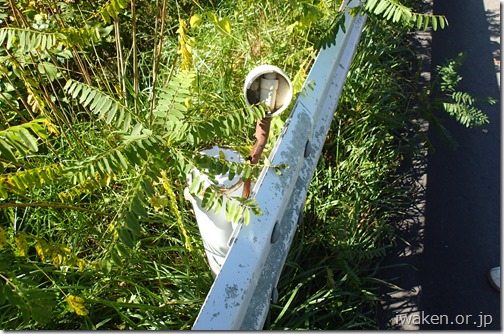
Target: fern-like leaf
{"type": "Point", "coordinates": [135, 208]}
{"type": "Point", "coordinates": [111, 10]}
{"type": "Point", "coordinates": [134, 153]}
{"type": "Point", "coordinates": [26, 40]}
{"type": "Point", "coordinates": [463, 110]}
{"type": "Point", "coordinates": [26, 180]}
{"type": "Point", "coordinates": [171, 104]}
{"type": "Point", "coordinates": [92, 184]}
{"type": "Point", "coordinates": [393, 10]}
{"type": "Point", "coordinates": [328, 37]}
{"type": "Point", "coordinates": [197, 133]}
{"type": "Point", "coordinates": [100, 103]}
{"type": "Point", "coordinates": [21, 140]}
{"type": "Point", "coordinates": [215, 198]}
{"type": "Point", "coordinates": [86, 175]}
{"type": "Point", "coordinates": [458, 104]}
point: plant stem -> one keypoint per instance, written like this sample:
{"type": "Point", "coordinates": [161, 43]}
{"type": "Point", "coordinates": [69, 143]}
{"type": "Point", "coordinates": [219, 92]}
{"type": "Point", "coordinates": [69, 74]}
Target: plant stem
{"type": "Point", "coordinates": [262, 133]}
{"type": "Point", "coordinates": [18, 15]}
{"type": "Point", "coordinates": [8, 281]}
{"type": "Point", "coordinates": [51, 205]}
{"type": "Point", "coordinates": [120, 61]}
{"type": "Point", "coordinates": [135, 55]}
{"type": "Point", "coordinates": [157, 55]}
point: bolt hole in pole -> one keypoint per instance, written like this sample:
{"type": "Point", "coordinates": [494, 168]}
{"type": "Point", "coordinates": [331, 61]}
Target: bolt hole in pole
{"type": "Point", "coordinates": [275, 234]}
{"type": "Point", "coordinates": [307, 149]}
{"type": "Point", "coordinates": [300, 218]}
{"type": "Point", "coordinates": [274, 296]}
{"type": "Point", "coordinates": [267, 85]}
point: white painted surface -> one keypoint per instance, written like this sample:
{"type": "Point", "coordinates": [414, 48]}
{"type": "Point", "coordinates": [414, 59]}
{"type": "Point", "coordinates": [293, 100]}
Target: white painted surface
{"type": "Point", "coordinates": [233, 297]}
{"type": "Point", "coordinates": [215, 230]}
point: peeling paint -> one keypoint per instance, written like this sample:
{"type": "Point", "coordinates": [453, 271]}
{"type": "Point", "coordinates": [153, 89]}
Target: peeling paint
{"type": "Point", "coordinates": [232, 291]}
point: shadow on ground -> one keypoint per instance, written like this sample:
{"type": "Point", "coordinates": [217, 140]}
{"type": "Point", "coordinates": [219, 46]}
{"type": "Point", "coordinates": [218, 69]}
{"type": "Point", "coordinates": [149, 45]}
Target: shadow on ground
{"type": "Point", "coordinates": [450, 239]}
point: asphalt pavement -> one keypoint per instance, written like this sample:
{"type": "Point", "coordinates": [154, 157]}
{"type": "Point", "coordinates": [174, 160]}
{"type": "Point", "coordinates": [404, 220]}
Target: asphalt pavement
{"type": "Point", "coordinates": [453, 238]}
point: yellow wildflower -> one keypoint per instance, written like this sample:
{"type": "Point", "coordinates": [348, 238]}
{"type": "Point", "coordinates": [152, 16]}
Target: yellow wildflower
{"type": "Point", "coordinates": [3, 238]}
{"type": "Point", "coordinates": [158, 202]}
{"type": "Point", "coordinates": [57, 259]}
{"type": "Point", "coordinates": [81, 264]}
{"type": "Point", "coordinates": [77, 305]}
{"type": "Point", "coordinates": [43, 249]}
{"type": "Point", "coordinates": [21, 243]}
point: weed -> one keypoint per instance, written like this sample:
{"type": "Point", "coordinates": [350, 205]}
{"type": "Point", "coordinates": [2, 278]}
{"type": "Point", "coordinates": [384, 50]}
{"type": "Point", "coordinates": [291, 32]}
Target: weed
{"type": "Point", "coordinates": [103, 108]}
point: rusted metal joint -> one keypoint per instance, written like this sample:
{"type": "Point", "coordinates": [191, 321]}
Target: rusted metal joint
{"type": "Point", "coordinates": [261, 134]}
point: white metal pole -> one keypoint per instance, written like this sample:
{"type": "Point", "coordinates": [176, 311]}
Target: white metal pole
{"type": "Point", "coordinates": [240, 295]}
{"type": "Point", "coordinates": [214, 228]}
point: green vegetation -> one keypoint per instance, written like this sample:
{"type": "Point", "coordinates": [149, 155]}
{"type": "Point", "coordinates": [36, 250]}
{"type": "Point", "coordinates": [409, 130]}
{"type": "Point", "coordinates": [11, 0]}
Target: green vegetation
{"type": "Point", "coordinates": [330, 277]}
{"type": "Point", "coordinates": [104, 106]}
{"type": "Point", "coordinates": [442, 94]}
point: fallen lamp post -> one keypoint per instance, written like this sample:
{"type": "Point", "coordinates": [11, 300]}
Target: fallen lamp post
{"type": "Point", "coordinates": [267, 85]}
{"type": "Point", "coordinates": [245, 284]}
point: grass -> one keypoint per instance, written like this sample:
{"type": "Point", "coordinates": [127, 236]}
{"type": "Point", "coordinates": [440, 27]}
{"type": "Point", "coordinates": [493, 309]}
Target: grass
{"type": "Point", "coordinates": [329, 281]}
{"type": "Point", "coordinates": [152, 276]}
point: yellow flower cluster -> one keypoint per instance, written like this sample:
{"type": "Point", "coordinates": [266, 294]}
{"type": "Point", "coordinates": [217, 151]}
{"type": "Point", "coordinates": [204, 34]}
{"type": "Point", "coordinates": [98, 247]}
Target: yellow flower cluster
{"type": "Point", "coordinates": [186, 44]}
{"type": "Point", "coordinates": [3, 238]}
{"type": "Point", "coordinates": [21, 243]}
{"type": "Point", "coordinates": [58, 254]}
{"type": "Point", "coordinates": [77, 305]}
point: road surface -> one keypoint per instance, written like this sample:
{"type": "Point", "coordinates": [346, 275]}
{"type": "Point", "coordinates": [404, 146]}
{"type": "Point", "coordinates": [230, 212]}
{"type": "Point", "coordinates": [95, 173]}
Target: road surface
{"type": "Point", "coordinates": [455, 239]}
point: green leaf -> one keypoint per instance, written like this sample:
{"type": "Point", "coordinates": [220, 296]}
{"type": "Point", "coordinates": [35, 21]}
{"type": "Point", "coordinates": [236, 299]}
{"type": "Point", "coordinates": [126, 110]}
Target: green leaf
{"type": "Point", "coordinates": [6, 152]}
{"type": "Point", "coordinates": [106, 266]}
{"type": "Point", "coordinates": [225, 25]}
{"type": "Point", "coordinates": [208, 197]}
{"type": "Point", "coordinates": [125, 237]}
{"type": "Point", "coordinates": [426, 22]}
{"type": "Point", "coordinates": [28, 139]}
{"type": "Point", "coordinates": [136, 130]}
{"type": "Point", "coordinates": [111, 115]}
{"type": "Point", "coordinates": [195, 183]}
{"type": "Point", "coordinates": [434, 23]}
{"type": "Point", "coordinates": [115, 256]}
{"type": "Point", "coordinates": [237, 214]}
{"type": "Point", "coordinates": [121, 159]}
{"type": "Point", "coordinates": [122, 250]}
{"type": "Point", "coordinates": [419, 21]}
{"type": "Point", "coordinates": [138, 207]}
{"type": "Point", "coordinates": [246, 216]}
{"type": "Point", "coordinates": [218, 205]}
{"type": "Point", "coordinates": [48, 69]}
{"type": "Point", "coordinates": [229, 210]}
{"type": "Point", "coordinates": [397, 16]}
{"type": "Point", "coordinates": [132, 223]}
